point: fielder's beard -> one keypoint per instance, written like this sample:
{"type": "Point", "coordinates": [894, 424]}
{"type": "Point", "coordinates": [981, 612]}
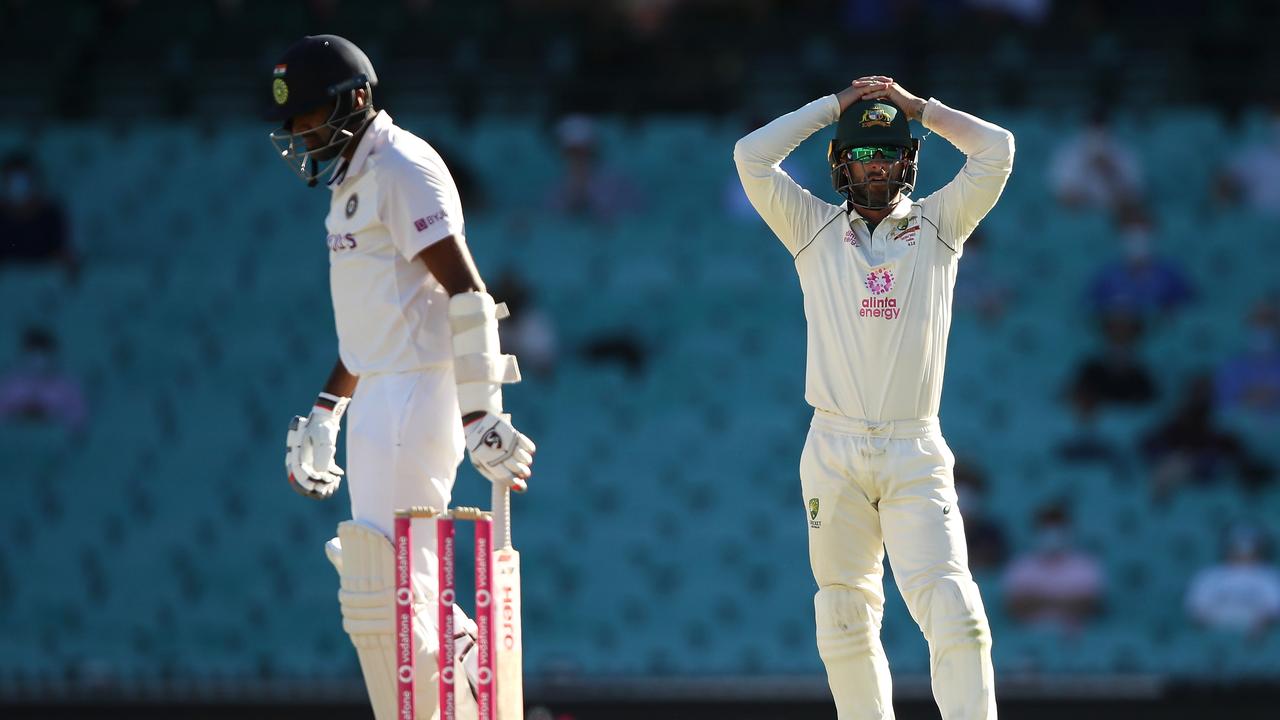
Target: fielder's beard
{"type": "Point", "coordinates": [875, 194]}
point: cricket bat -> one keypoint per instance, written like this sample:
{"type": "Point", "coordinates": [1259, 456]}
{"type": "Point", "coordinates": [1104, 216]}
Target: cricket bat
{"type": "Point", "coordinates": [506, 619]}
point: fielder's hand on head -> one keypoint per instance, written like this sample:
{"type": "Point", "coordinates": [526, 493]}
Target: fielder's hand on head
{"type": "Point", "coordinates": [499, 451]}
{"type": "Point", "coordinates": [878, 87]}
{"type": "Point", "coordinates": [310, 446]}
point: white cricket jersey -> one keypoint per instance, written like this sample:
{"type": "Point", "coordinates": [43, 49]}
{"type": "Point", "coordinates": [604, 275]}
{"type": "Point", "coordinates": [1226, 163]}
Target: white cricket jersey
{"type": "Point", "coordinates": [878, 304]}
{"type": "Point", "coordinates": [396, 199]}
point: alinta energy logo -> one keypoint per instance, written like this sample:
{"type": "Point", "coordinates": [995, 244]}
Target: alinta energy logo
{"type": "Point", "coordinates": [880, 281]}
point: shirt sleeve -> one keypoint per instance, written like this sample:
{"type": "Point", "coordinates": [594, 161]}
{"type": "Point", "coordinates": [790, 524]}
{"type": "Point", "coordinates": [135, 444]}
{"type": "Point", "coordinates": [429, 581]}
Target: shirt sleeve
{"type": "Point", "coordinates": [988, 149]}
{"type": "Point", "coordinates": [418, 203]}
{"type": "Point", "coordinates": [792, 212]}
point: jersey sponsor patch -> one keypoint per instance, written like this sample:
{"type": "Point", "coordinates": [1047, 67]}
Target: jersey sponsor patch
{"type": "Point", "coordinates": [880, 282]}
{"type": "Point", "coordinates": [352, 203]}
{"type": "Point", "coordinates": [427, 221]}
{"type": "Point", "coordinates": [340, 241]}
{"type": "Point", "coordinates": [851, 238]}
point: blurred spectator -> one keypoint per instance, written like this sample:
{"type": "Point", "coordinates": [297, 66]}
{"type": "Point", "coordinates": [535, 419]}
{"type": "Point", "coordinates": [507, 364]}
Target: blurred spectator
{"type": "Point", "coordinates": [1251, 380]}
{"type": "Point", "coordinates": [1242, 594]}
{"type": "Point", "coordinates": [1086, 443]}
{"type": "Point", "coordinates": [988, 549]}
{"type": "Point", "coordinates": [33, 228]}
{"type": "Point", "coordinates": [978, 288]}
{"type": "Point", "coordinates": [1253, 176]}
{"type": "Point", "coordinates": [587, 189]}
{"type": "Point", "coordinates": [529, 333]}
{"type": "Point", "coordinates": [1054, 584]}
{"type": "Point", "coordinates": [1116, 376]}
{"type": "Point", "coordinates": [1094, 169]}
{"type": "Point", "coordinates": [36, 389]}
{"type": "Point", "coordinates": [1190, 447]}
{"type": "Point", "coordinates": [617, 346]}
{"type": "Point", "coordinates": [1140, 282]}
{"type": "Point", "coordinates": [1027, 12]}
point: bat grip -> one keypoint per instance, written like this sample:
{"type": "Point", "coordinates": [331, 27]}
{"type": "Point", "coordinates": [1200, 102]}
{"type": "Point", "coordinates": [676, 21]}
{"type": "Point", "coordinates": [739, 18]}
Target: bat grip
{"type": "Point", "coordinates": [501, 508]}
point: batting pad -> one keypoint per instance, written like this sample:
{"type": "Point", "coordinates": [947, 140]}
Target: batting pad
{"type": "Point", "coordinates": [363, 557]}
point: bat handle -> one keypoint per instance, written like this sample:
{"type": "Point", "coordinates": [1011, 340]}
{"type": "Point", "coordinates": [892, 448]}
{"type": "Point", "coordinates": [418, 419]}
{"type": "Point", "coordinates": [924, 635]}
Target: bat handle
{"type": "Point", "coordinates": [501, 499]}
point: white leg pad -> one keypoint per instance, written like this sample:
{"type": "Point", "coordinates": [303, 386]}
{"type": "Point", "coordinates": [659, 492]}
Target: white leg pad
{"type": "Point", "coordinates": [848, 623]}
{"type": "Point", "coordinates": [954, 622]}
{"type": "Point", "coordinates": [363, 557]}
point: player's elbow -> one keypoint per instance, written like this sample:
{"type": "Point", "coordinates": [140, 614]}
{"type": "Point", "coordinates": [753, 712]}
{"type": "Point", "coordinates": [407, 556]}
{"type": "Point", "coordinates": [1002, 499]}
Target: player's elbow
{"type": "Point", "coordinates": [1008, 147]}
{"type": "Point", "coordinates": [742, 154]}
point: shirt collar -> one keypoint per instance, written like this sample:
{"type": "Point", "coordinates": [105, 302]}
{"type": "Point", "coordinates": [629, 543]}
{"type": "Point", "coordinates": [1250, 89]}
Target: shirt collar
{"type": "Point", "coordinates": [375, 136]}
{"type": "Point", "coordinates": [899, 211]}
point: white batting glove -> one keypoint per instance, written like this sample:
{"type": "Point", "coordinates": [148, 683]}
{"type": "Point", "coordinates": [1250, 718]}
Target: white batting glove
{"type": "Point", "coordinates": [311, 445]}
{"type": "Point", "coordinates": [499, 451]}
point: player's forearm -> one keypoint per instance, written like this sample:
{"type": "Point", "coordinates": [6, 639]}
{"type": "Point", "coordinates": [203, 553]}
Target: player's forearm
{"type": "Point", "coordinates": [981, 141]}
{"type": "Point", "coordinates": [762, 150]}
{"type": "Point", "coordinates": [341, 382]}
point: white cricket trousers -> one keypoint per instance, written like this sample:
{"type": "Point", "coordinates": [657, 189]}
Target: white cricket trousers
{"type": "Point", "coordinates": [404, 443]}
{"type": "Point", "coordinates": [872, 486]}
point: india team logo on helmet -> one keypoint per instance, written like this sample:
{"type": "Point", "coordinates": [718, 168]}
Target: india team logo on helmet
{"type": "Point", "coordinates": [279, 88]}
{"type": "Point", "coordinates": [879, 281]}
{"type": "Point", "coordinates": [879, 115]}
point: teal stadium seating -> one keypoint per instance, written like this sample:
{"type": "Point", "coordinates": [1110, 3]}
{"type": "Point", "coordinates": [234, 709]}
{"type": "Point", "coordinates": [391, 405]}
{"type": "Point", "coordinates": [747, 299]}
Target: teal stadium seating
{"type": "Point", "coordinates": [163, 541]}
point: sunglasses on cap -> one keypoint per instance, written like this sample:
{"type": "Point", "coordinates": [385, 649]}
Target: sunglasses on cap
{"type": "Point", "coordinates": [886, 152]}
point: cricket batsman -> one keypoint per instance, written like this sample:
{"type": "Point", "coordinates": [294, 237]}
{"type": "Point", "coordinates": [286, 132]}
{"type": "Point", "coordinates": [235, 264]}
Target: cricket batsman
{"type": "Point", "coordinates": [419, 373]}
{"type": "Point", "coordinates": [877, 275]}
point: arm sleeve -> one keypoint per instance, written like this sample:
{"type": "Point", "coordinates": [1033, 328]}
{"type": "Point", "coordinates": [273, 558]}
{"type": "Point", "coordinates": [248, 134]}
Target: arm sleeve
{"type": "Point", "coordinates": [988, 150]}
{"type": "Point", "coordinates": [792, 212]}
{"type": "Point", "coordinates": [418, 203]}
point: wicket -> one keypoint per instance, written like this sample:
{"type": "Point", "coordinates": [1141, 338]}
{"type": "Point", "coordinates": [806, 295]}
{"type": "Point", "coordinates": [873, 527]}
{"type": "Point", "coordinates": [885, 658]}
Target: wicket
{"type": "Point", "coordinates": [487, 675]}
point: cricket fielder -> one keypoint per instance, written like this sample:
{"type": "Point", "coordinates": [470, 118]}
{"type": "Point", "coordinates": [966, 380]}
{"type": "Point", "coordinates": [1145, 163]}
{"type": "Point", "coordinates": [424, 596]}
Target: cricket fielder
{"type": "Point", "coordinates": [419, 373]}
{"type": "Point", "coordinates": [877, 275]}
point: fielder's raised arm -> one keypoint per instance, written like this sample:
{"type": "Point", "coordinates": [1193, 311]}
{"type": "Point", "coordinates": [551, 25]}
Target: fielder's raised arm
{"type": "Point", "coordinates": [792, 212]}
{"type": "Point", "coordinates": [971, 194]}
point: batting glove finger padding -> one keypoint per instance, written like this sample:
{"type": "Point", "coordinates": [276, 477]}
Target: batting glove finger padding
{"type": "Point", "coordinates": [310, 447]}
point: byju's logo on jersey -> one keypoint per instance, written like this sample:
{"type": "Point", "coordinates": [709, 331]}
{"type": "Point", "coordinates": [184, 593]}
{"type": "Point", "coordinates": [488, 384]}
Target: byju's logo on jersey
{"type": "Point", "coordinates": [338, 242]}
{"type": "Point", "coordinates": [880, 281]}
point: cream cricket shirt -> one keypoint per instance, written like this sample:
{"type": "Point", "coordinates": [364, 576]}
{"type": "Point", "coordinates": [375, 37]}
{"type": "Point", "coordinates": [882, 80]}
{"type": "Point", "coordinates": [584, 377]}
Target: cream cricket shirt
{"type": "Point", "coordinates": [396, 199]}
{"type": "Point", "coordinates": [878, 304]}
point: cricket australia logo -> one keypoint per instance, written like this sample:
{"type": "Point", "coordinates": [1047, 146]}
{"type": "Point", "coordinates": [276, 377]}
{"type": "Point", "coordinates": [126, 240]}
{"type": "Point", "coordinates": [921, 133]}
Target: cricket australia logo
{"type": "Point", "coordinates": [880, 281]}
{"type": "Point", "coordinates": [814, 522]}
{"type": "Point", "coordinates": [878, 115]}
